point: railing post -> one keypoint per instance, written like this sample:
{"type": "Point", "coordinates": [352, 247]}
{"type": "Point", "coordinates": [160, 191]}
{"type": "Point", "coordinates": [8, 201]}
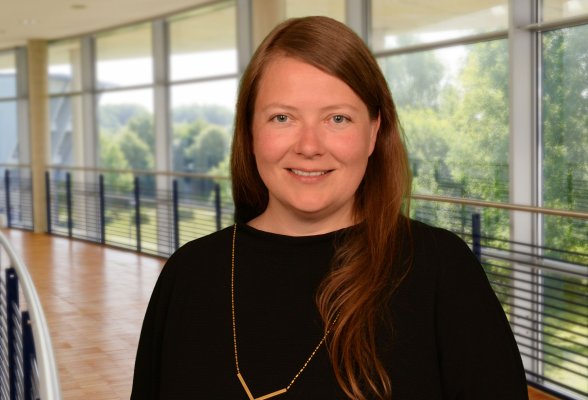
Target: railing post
{"type": "Point", "coordinates": [28, 355]}
{"type": "Point", "coordinates": [12, 317]}
{"type": "Point", "coordinates": [48, 200]}
{"type": "Point", "coordinates": [476, 236]}
{"type": "Point", "coordinates": [7, 188]}
{"type": "Point", "coordinates": [217, 206]}
{"type": "Point", "coordinates": [176, 213]}
{"type": "Point", "coordinates": [102, 209]}
{"type": "Point", "coordinates": [138, 213]}
{"type": "Point", "coordinates": [68, 203]}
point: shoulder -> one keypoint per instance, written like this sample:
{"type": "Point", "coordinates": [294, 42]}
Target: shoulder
{"type": "Point", "coordinates": [197, 254]}
{"type": "Point", "coordinates": [432, 238]}
{"type": "Point", "coordinates": [445, 255]}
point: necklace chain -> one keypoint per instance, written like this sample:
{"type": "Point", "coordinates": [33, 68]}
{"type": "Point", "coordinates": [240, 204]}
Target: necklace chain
{"type": "Point", "coordinates": [241, 379]}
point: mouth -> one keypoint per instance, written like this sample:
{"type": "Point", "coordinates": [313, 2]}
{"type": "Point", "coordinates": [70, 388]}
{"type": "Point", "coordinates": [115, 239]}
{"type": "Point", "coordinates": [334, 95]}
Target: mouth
{"type": "Point", "coordinates": [300, 172]}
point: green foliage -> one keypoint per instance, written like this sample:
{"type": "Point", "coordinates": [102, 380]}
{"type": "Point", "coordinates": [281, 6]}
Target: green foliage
{"type": "Point", "coordinates": [115, 116]}
{"type": "Point", "coordinates": [112, 156]}
{"type": "Point", "coordinates": [213, 114]}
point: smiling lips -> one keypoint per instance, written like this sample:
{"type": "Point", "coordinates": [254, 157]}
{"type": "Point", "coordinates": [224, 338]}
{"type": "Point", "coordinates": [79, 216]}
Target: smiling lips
{"type": "Point", "coordinates": [308, 173]}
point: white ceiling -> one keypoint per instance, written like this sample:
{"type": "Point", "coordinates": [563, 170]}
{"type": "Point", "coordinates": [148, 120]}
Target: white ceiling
{"type": "Point", "coordinates": [22, 20]}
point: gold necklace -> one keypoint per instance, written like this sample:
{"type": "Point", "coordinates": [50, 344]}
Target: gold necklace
{"type": "Point", "coordinates": [239, 375]}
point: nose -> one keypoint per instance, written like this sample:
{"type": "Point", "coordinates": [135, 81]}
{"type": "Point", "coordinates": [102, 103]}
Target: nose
{"type": "Point", "coordinates": [309, 142]}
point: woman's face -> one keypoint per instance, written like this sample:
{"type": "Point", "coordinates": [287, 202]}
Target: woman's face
{"type": "Point", "coordinates": [312, 136]}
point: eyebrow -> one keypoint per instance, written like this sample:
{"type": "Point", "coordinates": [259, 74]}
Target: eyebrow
{"type": "Point", "coordinates": [291, 108]}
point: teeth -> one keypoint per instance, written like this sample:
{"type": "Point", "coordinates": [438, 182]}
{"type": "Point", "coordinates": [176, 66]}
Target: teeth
{"type": "Point", "coordinates": [308, 173]}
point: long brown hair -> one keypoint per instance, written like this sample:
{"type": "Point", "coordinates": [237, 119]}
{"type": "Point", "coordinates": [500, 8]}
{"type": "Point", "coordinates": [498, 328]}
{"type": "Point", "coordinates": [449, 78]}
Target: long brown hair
{"type": "Point", "coordinates": [363, 275]}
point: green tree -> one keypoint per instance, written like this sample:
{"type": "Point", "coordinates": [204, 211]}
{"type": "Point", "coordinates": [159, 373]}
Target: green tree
{"type": "Point", "coordinates": [136, 151]}
{"type": "Point", "coordinates": [112, 157]}
{"type": "Point", "coordinates": [113, 117]}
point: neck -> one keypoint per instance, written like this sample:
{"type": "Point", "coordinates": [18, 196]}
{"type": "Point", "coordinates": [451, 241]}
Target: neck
{"type": "Point", "coordinates": [300, 225]}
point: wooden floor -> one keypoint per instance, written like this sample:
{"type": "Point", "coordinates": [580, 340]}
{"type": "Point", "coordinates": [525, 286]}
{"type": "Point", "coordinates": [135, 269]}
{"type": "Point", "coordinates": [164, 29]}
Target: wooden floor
{"type": "Point", "coordinates": [94, 298]}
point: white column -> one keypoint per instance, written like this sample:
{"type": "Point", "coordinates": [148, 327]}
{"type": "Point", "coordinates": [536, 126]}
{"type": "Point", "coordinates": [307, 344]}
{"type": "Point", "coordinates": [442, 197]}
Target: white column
{"type": "Point", "coordinates": [524, 175]}
{"type": "Point", "coordinates": [21, 198]}
{"type": "Point", "coordinates": [358, 18]}
{"type": "Point", "coordinates": [87, 149]}
{"type": "Point", "coordinates": [163, 139]}
{"type": "Point", "coordinates": [244, 33]}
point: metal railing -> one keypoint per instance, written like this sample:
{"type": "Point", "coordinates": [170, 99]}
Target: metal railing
{"type": "Point", "coordinates": [27, 363]}
{"type": "Point", "coordinates": [140, 210]}
{"type": "Point", "coordinates": [543, 288]}
{"type": "Point", "coordinates": [16, 197]}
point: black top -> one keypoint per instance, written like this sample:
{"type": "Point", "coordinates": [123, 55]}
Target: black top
{"type": "Point", "coordinates": [450, 340]}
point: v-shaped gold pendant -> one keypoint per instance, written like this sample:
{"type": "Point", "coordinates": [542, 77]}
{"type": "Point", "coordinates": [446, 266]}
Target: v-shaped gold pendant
{"type": "Point", "coordinates": [267, 396]}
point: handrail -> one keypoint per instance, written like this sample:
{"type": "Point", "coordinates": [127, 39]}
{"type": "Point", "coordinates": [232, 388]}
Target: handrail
{"type": "Point", "coordinates": [49, 387]}
{"type": "Point", "coordinates": [506, 206]}
{"type": "Point", "coordinates": [135, 171]}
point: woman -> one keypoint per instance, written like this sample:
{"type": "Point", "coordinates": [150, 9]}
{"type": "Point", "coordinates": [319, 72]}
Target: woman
{"type": "Point", "coordinates": [323, 289]}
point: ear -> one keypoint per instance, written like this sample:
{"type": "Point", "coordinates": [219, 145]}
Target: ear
{"type": "Point", "coordinates": [374, 128]}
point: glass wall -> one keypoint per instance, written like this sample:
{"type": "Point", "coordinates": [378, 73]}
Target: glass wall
{"type": "Point", "coordinates": [124, 78]}
{"type": "Point", "coordinates": [398, 23]}
{"type": "Point", "coordinates": [203, 75]}
{"type": "Point", "coordinates": [564, 106]}
{"type": "Point", "coordinates": [558, 9]}
{"type": "Point", "coordinates": [452, 102]}
{"type": "Point", "coordinates": [65, 105]}
{"type": "Point", "coordinates": [8, 108]}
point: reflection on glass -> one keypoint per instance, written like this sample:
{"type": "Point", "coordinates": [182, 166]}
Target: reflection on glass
{"type": "Point", "coordinates": [202, 117]}
{"type": "Point", "coordinates": [127, 137]}
{"type": "Point", "coordinates": [398, 23]}
{"type": "Point", "coordinates": [8, 132]}
{"type": "Point", "coordinates": [203, 42]}
{"type": "Point", "coordinates": [124, 57]}
{"type": "Point", "coordinates": [557, 9]}
{"type": "Point", "coordinates": [7, 74]}
{"type": "Point", "coordinates": [65, 118]}
{"type": "Point", "coordinates": [64, 67]}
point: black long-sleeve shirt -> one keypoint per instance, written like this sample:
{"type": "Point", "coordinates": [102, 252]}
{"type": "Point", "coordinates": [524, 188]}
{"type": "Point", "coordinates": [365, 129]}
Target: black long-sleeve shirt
{"type": "Point", "coordinates": [450, 337]}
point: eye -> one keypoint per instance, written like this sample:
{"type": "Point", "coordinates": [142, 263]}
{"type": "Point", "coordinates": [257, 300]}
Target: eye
{"type": "Point", "coordinates": [339, 119]}
{"type": "Point", "coordinates": [280, 118]}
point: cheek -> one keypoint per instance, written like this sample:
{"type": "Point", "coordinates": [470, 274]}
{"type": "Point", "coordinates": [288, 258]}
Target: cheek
{"type": "Point", "coordinates": [353, 151]}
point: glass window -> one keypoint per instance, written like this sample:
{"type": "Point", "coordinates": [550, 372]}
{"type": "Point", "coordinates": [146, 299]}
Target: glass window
{"type": "Point", "coordinates": [557, 9]}
{"type": "Point", "coordinates": [126, 130]}
{"type": "Point", "coordinates": [9, 151]}
{"type": "Point", "coordinates": [203, 43]}
{"type": "Point", "coordinates": [399, 23]}
{"type": "Point", "coordinates": [64, 67]}
{"type": "Point", "coordinates": [202, 118]}
{"type": "Point", "coordinates": [124, 57]}
{"type": "Point", "coordinates": [7, 74]}
{"type": "Point", "coordinates": [268, 13]}
{"type": "Point", "coordinates": [453, 107]}
{"type": "Point", "coordinates": [565, 183]}
{"type": "Point", "coordinates": [66, 130]}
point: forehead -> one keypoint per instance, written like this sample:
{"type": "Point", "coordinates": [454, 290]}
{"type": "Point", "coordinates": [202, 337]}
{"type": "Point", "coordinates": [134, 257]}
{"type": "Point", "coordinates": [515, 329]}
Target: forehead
{"type": "Point", "coordinates": [289, 78]}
